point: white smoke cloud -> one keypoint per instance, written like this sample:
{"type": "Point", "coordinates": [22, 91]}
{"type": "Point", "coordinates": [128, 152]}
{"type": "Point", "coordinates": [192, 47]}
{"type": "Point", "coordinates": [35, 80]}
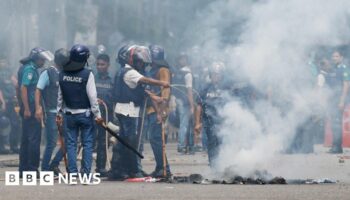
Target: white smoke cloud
{"type": "Point", "coordinates": [271, 51]}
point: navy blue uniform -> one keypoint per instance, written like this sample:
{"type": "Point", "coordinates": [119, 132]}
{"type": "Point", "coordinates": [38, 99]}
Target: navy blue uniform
{"type": "Point", "coordinates": [212, 99]}
{"type": "Point", "coordinates": [76, 91]}
{"type": "Point", "coordinates": [124, 162]}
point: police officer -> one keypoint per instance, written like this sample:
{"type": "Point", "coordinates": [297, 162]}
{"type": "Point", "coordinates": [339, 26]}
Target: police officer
{"type": "Point", "coordinates": [338, 82]}
{"type": "Point", "coordinates": [104, 87]}
{"type": "Point", "coordinates": [28, 77]}
{"type": "Point", "coordinates": [211, 98]}
{"type": "Point", "coordinates": [77, 105]}
{"type": "Point", "coordinates": [47, 88]}
{"type": "Point", "coordinates": [130, 96]}
{"type": "Point", "coordinates": [157, 112]}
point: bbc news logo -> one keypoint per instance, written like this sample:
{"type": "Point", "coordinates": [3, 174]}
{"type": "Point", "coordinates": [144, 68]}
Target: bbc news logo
{"type": "Point", "coordinates": [47, 178]}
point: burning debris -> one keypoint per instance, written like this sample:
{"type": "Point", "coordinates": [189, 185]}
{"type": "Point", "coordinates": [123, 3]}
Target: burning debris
{"type": "Point", "coordinates": [256, 178]}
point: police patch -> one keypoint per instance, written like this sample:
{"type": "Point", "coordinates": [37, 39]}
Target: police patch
{"type": "Point", "coordinates": [30, 76]}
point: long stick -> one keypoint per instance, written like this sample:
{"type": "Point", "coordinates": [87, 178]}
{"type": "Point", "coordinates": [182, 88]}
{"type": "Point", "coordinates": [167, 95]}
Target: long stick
{"type": "Point", "coordinates": [163, 149]}
{"type": "Point", "coordinates": [142, 124]}
{"type": "Point", "coordinates": [106, 133]}
{"type": "Point", "coordinates": [127, 145]}
{"type": "Point", "coordinates": [63, 147]}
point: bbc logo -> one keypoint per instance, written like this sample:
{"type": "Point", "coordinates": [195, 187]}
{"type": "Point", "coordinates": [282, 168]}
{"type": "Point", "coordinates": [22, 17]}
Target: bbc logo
{"type": "Point", "coordinates": [29, 178]}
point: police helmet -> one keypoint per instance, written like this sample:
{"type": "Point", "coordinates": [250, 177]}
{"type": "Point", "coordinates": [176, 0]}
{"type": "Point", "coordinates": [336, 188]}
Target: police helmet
{"type": "Point", "coordinates": [122, 56]}
{"type": "Point", "coordinates": [158, 55]}
{"type": "Point", "coordinates": [139, 55]}
{"type": "Point", "coordinates": [38, 53]}
{"type": "Point", "coordinates": [61, 57]}
{"type": "Point", "coordinates": [217, 68]}
{"type": "Point", "coordinates": [78, 57]}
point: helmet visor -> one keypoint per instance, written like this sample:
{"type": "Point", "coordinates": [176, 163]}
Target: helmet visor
{"type": "Point", "coordinates": [46, 55]}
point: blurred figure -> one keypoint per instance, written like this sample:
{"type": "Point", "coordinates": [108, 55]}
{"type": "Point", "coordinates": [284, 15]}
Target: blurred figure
{"type": "Point", "coordinates": [157, 112]}
{"type": "Point", "coordinates": [28, 77]}
{"type": "Point", "coordinates": [8, 83]}
{"type": "Point", "coordinates": [207, 116]}
{"type": "Point", "coordinates": [77, 105]}
{"type": "Point", "coordinates": [104, 86]}
{"type": "Point", "coordinates": [182, 77]}
{"type": "Point", "coordinates": [4, 123]}
{"type": "Point", "coordinates": [47, 88]}
{"type": "Point", "coordinates": [338, 82]}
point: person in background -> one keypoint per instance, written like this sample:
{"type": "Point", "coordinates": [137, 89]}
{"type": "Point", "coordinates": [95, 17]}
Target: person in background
{"type": "Point", "coordinates": [182, 76]}
{"type": "Point", "coordinates": [338, 82]}
{"type": "Point", "coordinates": [8, 83]}
{"type": "Point", "coordinates": [104, 87]}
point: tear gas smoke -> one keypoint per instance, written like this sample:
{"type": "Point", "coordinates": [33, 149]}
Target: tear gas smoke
{"type": "Point", "coordinates": [270, 51]}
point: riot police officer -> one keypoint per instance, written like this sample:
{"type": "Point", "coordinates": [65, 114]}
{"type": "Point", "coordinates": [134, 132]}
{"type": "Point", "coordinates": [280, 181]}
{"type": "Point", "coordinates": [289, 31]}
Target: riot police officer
{"type": "Point", "coordinates": [211, 98]}
{"type": "Point", "coordinates": [77, 105]}
{"type": "Point", "coordinates": [47, 88]}
{"type": "Point", "coordinates": [130, 95]}
{"type": "Point", "coordinates": [28, 77]}
{"type": "Point", "coordinates": [157, 112]}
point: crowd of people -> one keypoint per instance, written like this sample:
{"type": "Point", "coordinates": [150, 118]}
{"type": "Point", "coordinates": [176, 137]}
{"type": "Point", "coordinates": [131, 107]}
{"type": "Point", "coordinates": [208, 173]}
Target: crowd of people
{"type": "Point", "coordinates": [75, 100]}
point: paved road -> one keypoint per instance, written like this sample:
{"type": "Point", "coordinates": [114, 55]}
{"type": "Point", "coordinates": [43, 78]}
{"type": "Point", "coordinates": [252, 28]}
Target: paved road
{"type": "Point", "coordinates": [318, 165]}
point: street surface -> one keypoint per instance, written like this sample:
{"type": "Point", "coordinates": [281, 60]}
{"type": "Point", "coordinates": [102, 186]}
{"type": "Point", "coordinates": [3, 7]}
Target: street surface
{"type": "Point", "coordinates": [316, 166]}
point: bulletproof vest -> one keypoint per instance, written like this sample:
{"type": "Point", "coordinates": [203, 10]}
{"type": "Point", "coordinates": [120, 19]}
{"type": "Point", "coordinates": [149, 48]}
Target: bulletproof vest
{"type": "Point", "coordinates": [73, 88]}
{"type": "Point", "coordinates": [50, 93]}
{"type": "Point", "coordinates": [181, 91]}
{"type": "Point", "coordinates": [213, 98]}
{"type": "Point", "coordinates": [104, 87]}
{"type": "Point", "coordinates": [124, 94]}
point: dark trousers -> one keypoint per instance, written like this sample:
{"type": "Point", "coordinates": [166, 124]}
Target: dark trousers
{"type": "Point", "coordinates": [29, 157]}
{"type": "Point", "coordinates": [15, 122]}
{"type": "Point", "coordinates": [336, 117]}
{"type": "Point", "coordinates": [154, 130]}
{"type": "Point", "coordinates": [124, 161]}
{"type": "Point", "coordinates": [101, 148]}
{"type": "Point", "coordinates": [210, 129]}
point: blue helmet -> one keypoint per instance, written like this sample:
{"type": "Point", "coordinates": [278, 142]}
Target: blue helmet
{"type": "Point", "coordinates": [158, 55]}
{"type": "Point", "coordinates": [78, 57]}
{"type": "Point", "coordinates": [157, 52]}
